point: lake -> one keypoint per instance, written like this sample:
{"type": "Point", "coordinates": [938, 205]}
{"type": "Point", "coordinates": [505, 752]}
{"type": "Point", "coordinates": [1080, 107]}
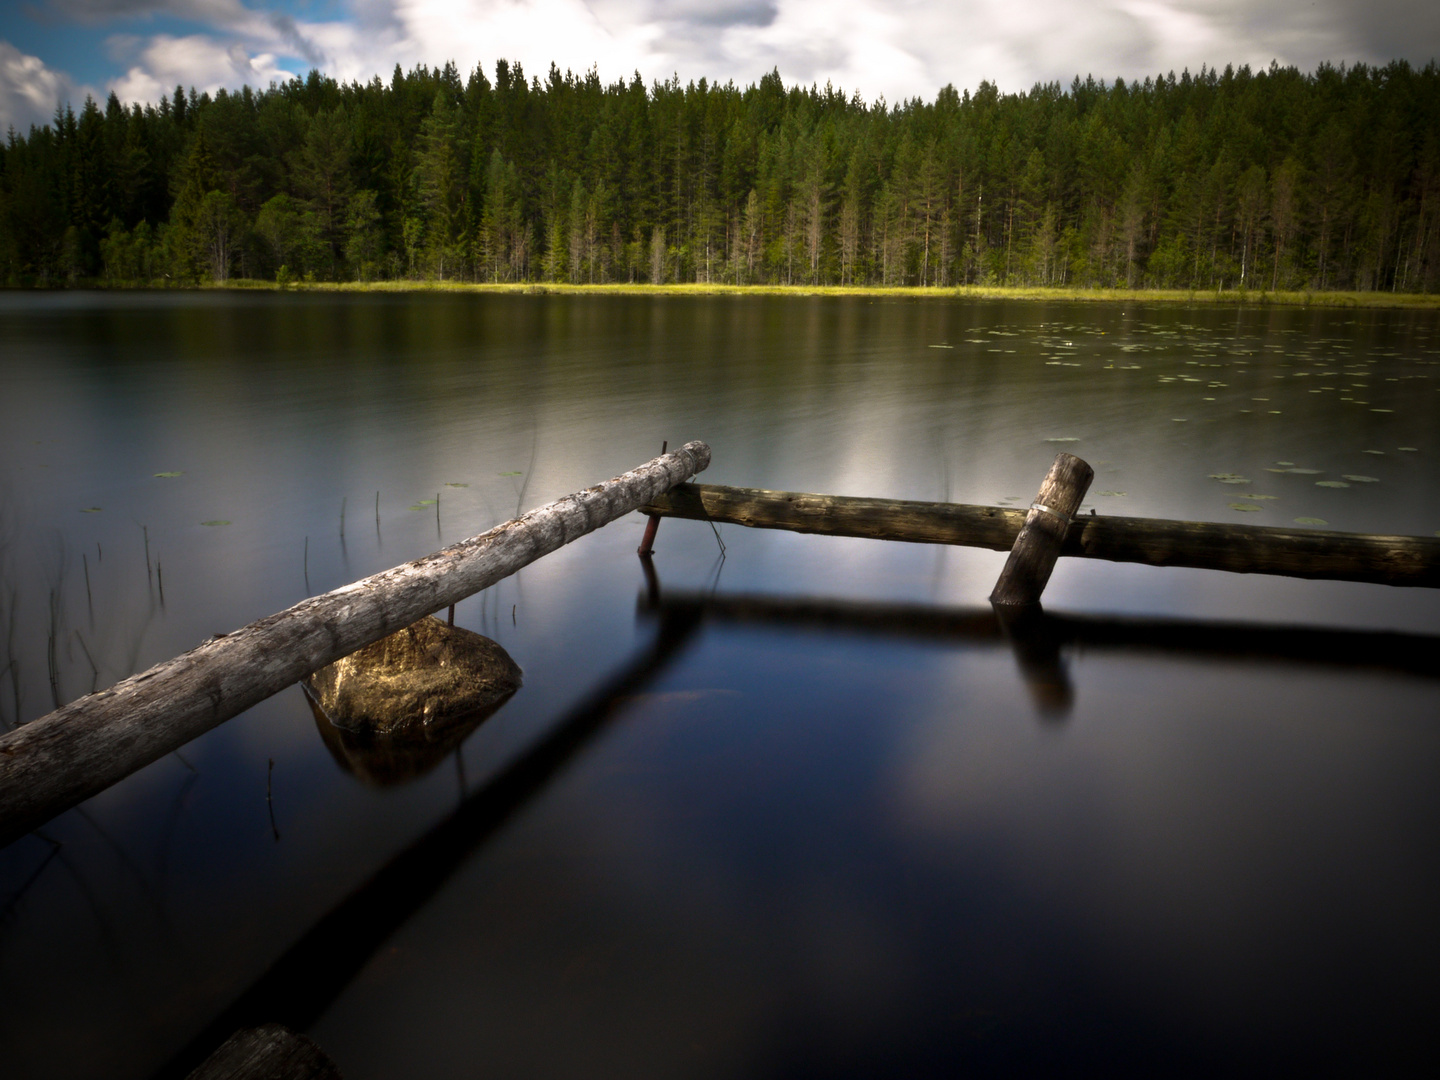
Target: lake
{"type": "Point", "coordinates": [819, 823]}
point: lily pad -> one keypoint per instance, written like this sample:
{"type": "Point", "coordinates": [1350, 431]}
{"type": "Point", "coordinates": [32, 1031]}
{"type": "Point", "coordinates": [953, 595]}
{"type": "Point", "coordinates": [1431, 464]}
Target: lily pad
{"type": "Point", "coordinates": [1305, 472]}
{"type": "Point", "coordinates": [1262, 497]}
{"type": "Point", "coordinates": [1361, 479]}
{"type": "Point", "coordinates": [1057, 438]}
{"type": "Point", "coordinates": [1311, 521]}
{"type": "Point", "coordinates": [1287, 463]}
{"type": "Point", "coordinates": [1230, 478]}
{"type": "Point", "coordinates": [169, 474]}
{"type": "Point", "coordinates": [1377, 410]}
{"type": "Point", "coordinates": [91, 510]}
{"type": "Point", "coordinates": [1409, 449]}
{"type": "Point", "coordinates": [215, 523]}
{"type": "Point", "coordinates": [457, 485]}
{"type": "Point", "coordinates": [517, 472]}
{"type": "Point", "coordinates": [1331, 483]}
{"type": "Point", "coordinates": [422, 504]}
{"type": "Point", "coordinates": [1377, 453]}
{"type": "Point", "coordinates": [1247, 507]}
{"type": "Point", "coordinates": [1112, 493]}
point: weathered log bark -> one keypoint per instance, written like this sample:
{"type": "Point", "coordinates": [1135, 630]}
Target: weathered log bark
{"type": "Point", "coordinates": [1241, 549]}
{"type": "Point", "coordinates": [62, 758]}
{"type": "Point", "coordinates": [268, 1052]}
{"type": "Point", "coordinates": [1036, 549]}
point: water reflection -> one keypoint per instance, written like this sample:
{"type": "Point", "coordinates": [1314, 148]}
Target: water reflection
{"type": "Point", "coordinates": [805, 852]}
{"type": "Point", "coordinates": [1040, 639]}
{"type": "Point", "coordinates": [307, 978]}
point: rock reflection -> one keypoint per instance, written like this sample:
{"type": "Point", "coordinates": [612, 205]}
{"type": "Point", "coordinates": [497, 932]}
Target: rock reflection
{"type": "Point", "coordinates": [394, 710]}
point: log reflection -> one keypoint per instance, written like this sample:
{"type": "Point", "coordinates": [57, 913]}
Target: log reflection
{"type": "Point", "coordinates": [1039, 638]}
{"type": "Point", "coordinates": [303, 982]}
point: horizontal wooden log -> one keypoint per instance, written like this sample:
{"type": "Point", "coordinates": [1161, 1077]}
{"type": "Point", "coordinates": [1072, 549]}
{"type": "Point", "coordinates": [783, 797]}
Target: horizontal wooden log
{"type": "Point", "coordinates": [1241, 549]}
{"type": "Point", "coordinates": [62, 758]}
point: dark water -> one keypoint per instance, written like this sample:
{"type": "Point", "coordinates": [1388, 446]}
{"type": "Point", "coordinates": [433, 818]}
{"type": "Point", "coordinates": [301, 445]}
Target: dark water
{"type": "Point", "coordinates": [815, 825]}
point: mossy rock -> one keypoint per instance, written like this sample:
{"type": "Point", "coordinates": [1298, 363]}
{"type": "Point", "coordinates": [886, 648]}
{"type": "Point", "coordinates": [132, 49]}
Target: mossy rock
{"type": "Point", "coordinates": [393, 710]}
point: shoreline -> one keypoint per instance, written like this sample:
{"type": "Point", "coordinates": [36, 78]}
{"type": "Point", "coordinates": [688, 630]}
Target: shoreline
{"type": "Point", "coordinates": [1028, 294]}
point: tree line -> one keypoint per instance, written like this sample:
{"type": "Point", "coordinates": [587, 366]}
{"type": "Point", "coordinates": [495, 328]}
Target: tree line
{"type": "Point", "coordinates": [1233, 179]}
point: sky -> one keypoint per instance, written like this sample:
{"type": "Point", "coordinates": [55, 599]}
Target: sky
{"type": "Point", "coordinates": [61, 50]}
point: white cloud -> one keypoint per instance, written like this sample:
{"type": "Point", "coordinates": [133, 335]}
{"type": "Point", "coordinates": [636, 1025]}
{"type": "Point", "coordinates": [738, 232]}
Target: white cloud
{"type": "Point", "coordinates": [195, 60]}
{"type": "Point", "coordinates": [30, 90]}
{"type": "Point", "coordinates": [895, 48]}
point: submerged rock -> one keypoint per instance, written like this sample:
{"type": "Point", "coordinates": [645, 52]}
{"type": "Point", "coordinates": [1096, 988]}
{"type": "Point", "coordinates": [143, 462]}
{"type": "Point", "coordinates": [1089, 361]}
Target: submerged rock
{"type": "Point", "coordinates": [393, 710]}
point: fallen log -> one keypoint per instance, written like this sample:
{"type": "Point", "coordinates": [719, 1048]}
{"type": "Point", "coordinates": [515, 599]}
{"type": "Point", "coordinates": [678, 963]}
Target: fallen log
{"type": "Point", "coordinates": [52, 763]}
{"type": "Point", "coordinates": [1242, 549]}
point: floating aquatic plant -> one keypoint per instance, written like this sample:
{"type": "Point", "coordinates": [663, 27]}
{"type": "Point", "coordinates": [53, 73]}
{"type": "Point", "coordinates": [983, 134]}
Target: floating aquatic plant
{"type": "Point", "coordinates": [169, 474]}
{"type": "Point", "coordinates": [91, 510]}
{"type": "Point", "coordinates": [516, 472]}
{"type": "Point", "coordinates": [1361, 479]}
{"type": "Point", "coordinates": [1247, 507]}
{"type": "Point", "coordinates": [215, 522]}
{"type": "Point", "coordinates": [1062, 438]}
{"type": "Point", "coordinates": [457, 485]}
{"type": "Point", "coordinates": [1230, 478]}
{"type": "Point", "coordinates": [1331, 483]}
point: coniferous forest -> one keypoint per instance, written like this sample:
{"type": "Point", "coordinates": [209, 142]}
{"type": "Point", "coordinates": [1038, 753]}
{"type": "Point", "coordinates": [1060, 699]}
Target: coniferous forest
{"type": "Point", "coordinates": [1234, 179]}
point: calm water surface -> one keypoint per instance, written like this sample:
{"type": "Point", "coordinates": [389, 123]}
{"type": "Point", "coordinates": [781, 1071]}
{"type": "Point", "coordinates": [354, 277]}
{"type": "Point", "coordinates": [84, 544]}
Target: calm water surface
{"type": "Point", "coordinates": [823, 826]}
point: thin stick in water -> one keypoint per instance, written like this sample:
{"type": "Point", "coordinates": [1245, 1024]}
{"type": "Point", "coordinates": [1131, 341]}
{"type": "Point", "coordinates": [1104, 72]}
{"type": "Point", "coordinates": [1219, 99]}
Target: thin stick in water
{"type": "Point", "coordinates": [50, 655]}
{"type": "Point", "coordinates": [94, 671]}
{"type": "Point", "coordinates": [342, 518]}
{"type": "Point", "coordinates": [146, 530]}
{"type": "Point", "coordinates": [85, 562]}
{"type": "Point", "coordinates": [160, 580]}
{"type": "Point", "coordinates": [99, 555]}
{"type": "Point", "coordinates": [269, 802]}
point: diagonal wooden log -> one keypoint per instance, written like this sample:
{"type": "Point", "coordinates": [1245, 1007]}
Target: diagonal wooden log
{"type": "Point", "coordinates": [1205, 545]}
{"type": "Point", "coordinates": [52, 763]}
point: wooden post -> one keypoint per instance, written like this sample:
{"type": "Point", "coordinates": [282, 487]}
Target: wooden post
{"type": "Point", "coordinates": [52, 763]}
{"type": "Point", "coordinates": [647, 542]}
{"type": "Point", "coordinates": [1041, 537]}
